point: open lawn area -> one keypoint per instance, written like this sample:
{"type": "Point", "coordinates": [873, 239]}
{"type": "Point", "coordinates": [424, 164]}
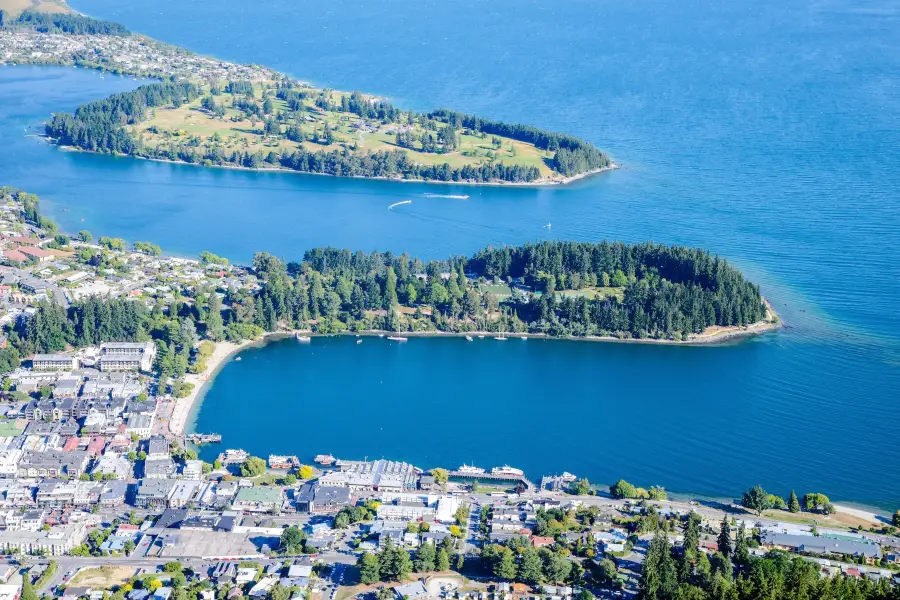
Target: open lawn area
{"type": "Point", "coordinates": [14, 7]}
{"type": "Point", "coordinates": [239, 124]}
{"type": "Point", "coordinates": [104, 577]}
{"type": "Point", "coordinates": [591, 292]}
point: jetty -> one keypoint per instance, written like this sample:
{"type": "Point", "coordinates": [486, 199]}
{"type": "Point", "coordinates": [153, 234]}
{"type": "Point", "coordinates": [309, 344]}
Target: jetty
{"type": "Point", "coordinates": [519, 480]}
{"type": "Point", "coordinates": [203, 438]}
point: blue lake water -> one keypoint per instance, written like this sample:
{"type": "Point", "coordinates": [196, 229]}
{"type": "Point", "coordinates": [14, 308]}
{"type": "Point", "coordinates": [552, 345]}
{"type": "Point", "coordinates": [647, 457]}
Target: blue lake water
{"type": "Point", "coordinates": [767, 133]}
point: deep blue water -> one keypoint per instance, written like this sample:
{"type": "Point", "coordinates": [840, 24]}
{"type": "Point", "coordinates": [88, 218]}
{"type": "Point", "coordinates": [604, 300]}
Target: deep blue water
{"type": "Point", "coordinates": [765, 132]}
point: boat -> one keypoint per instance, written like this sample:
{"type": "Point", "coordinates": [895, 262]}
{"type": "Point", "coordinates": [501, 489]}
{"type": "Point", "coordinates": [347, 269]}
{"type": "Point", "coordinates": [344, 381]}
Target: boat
{"type": "Point", "coordinates": [566, 476]}
{"type": "Point", "coordinates": [237, 358]}
{"type": "Point", "coordinates": [480, 337]}
{"type": "Point", "coordinates": [359, 341]}
{"type": "Point", "coordinates": [468, 338]}
{"type": "Point", "coordinates": [324, 459]}
{"type": "Point", "coordinates": [500, 338]}
{"type": "Point", "coordinates": [397, 338]}
{"type": "Point", "coordinates": [204, 438]}
{"type": "Point", "coordinates": [507, 470]}
{"type": "Point", "coordinates": [470, 470]}
{"type": "Point", "coordinates": [523, 337]}
{"type": "Point", "coordinates": [303, 338]}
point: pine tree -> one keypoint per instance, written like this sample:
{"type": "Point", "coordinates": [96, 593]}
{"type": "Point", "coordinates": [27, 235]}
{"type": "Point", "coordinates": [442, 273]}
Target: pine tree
{"type": "Point", "coordinates": [443, 560]}
{"type": "Point", "coordinates": [725, 538]}
{"type": "Point", "coordinates": [215, 329]}
{"type": "Point", "coordinates": [424, 562]}
{"type": "Point", "coordinates": [689, 546]}
{"type": "Point", "coordinates": [530, 570]}
{"type": "Point", "coordinates": [28, 592]}
{"type": "Point", "coordinates": [794, 503]}
{"type": "Point", "coordinates": [659, 576]}
{"type": "Point", "coordinates": [741, 551]}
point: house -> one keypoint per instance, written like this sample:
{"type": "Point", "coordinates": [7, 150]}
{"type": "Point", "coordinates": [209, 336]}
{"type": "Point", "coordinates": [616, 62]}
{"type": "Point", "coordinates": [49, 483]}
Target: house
{"type": "Point", "coordinates": [540, 541]}
{"type": "Point", "coordinates": [262, 587]}
{"type": "Point", "coordinates": [258, 499]}
{"type": "Point", "coordinates": [322, 499]}
{"type": "Point", "coordinates": [244, 576]}
{"type": "Point", "coordinates": [820, 544]}
{"type": "Point", "coordinates": [157, 448]}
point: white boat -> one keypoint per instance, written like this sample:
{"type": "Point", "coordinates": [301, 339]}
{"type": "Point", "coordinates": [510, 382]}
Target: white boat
{"type": "Point", "coordinates": [523, 337]}
{"type": "Point", "coordinates": [397, 338]}
{"type": "Point", "coordinates": [468, 338]}
{"type": "Point", "coordinates": [470, 470]}
{"type": "Point", "coordinates": [237, 358]}
{"type": "Point", "coordinates": [566, 476]}
{"type": "Point", "coordinates": [303, 338]}
{"type": "Point", "coordinates": [500, 338]}
{"type": "Point", "coordinates": [359, 341]}
{"type": "Point", "coordinates": [480, 337]}
{"type": "Point", "coordinates": [507, 470]}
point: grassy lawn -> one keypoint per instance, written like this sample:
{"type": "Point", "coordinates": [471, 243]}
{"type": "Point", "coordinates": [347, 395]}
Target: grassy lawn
{"type": "Point", "coordinates": [104, 577]}
{"type": "Point", "coordinates": [500, 291]}
{"type": "Point", "coordinates": [14, 7]}
{"type": "Point", "coordinates": [9, 429]}
{"type": "Point", "coordinates": [236, 132]}
{"type": "Point", "coordinates": [590, 292]}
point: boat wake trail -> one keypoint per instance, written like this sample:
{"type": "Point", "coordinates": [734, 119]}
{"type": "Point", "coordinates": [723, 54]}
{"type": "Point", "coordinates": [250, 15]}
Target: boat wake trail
{"type": "Point", "coordinates": [391, 207]}
{"type": "Point", "coordinates": [452, 196]}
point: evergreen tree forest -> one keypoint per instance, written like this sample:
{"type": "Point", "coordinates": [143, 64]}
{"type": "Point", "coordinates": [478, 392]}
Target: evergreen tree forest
{"type": "Point", "coordinates": [72, 24]}
{"type": "Point", "coordinates": [669, 573]}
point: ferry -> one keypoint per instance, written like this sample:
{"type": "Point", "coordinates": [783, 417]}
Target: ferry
{"type": "Point", "coordinates": [470, 470]}
{"type": "Point", "coordinates": [303, 338]}
{"type": "Point", "coordinates": [324, 459]}
{"type": "Point", "coordinates": [230, 457]}
{"type": "Point", "coordinates": [397, 338]}
{"type": "Point", "coordinates": [507, 470]}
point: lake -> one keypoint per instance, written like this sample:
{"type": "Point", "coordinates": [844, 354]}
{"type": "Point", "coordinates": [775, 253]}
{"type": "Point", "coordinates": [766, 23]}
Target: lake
{"type": "Point", "coordinates": [767, 133]}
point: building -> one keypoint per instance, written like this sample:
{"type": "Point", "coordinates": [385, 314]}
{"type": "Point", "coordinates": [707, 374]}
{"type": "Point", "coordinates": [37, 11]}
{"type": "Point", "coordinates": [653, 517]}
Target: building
{"type": "Point", "coordinates": [55, 542]}
{"type": "Point", "coordinates": [53, 463]}
{"type": "Point", "coordinates": [159, 468]}
{"type": "Point", "coordinates": [9, 462]}
{"type": "Point", "coordinates": [54, 362]}
{"type": "Point", "coordinates": [415, 507]}
{"type": "Point", "coordinates": [10, 592]}
{"type": "Point", "coordinates": [380, 475]}
{"type": "Point", "coordinates": [820, 545]}
{"type": "Point", "coordinates": [154, 493]}
{"type": "Point", "coordinates": [258, 499]}
{"type": "Point", "coordinates": [322, 499]}
{"type": "Point", "coordinates": [127, 356]}
{"type": "Point", "coordinates": [415, 590]}
{"type": "Point", "coordinates": [157, 448]}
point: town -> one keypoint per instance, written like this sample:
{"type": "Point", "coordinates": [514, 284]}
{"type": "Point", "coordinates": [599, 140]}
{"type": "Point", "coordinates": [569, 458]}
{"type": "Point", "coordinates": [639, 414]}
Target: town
{"type": "Point", "coordinates": [102, 492]}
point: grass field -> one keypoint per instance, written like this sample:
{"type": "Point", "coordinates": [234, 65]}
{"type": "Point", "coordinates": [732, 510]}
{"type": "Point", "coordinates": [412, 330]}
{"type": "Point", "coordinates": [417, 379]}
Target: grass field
{"type": "Point", "coordinates": [14, 7]}
{"type": "Point", "coordinates": [234, 131]}
{"type": "Point", "coordinates": [9, 429]}
{"type": "Point", "coordinates": [104, 577]}
{"type": "Point", "coordinates": [591, 292]}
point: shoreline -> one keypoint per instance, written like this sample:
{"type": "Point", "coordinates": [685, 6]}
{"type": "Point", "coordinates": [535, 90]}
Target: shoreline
{"type": "Point", "coordinates": [185, 407]}
{"type": "Point", "coordinates": [538, 183]}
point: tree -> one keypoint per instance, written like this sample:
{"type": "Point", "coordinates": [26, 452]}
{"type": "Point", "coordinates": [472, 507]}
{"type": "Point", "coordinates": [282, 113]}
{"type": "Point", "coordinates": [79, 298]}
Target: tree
{"type": "Point", "coordinates": [755, 499]}
{"type": "Point", "coordinates": [173, 567]}
{"type": "Point", "coordinates": [724, 539]}
{"type": "Point", "coordinates": [425, 556]}
{"type": "Point", "coordinates": [531, 567]}
{"type": "Point", "coordinates": [368, 568]}
{"type": "Point", "coordinates": [441, 476]}
{"type": "Point", "coordinates": [253, 467]}
{"type": "Point", "coordinates": [292, 540]}
{"type": "Point", "coordinates": [793, 503]}
{"type": "Point", "coordinates": [895, 519]}
{"type": "Point", "coordinates": [816, 502]}
{"type": "Point", "coordinates": [623, 489]}
{"type": "Point", "coordinates": [28, 592]}
{"type": "Point", "coordinates": [305, 472]}
{"type": "Point", "coordinates": [741, 551]}
{"type": "Point", "coordinates": [442, 563]}
{"type": "Point", "coordinates": [659, 577]}
{"type": "Point", "coordinates": [215, 328]}
{"type": "Point", "coordinates": [690, 546]}
{"type": "Point", "coordinates": [582, 487]}
{"type": "Point", "coordinates": [85, 236]}
{"type": "Point", "coordinates": [341, 520]}
{"type": "Point", "coordinates": [505, 567]}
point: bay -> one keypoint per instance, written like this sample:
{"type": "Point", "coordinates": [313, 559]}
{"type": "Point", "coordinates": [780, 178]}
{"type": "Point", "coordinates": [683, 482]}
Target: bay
{"type": "Point", "coordinates": [766, 133]}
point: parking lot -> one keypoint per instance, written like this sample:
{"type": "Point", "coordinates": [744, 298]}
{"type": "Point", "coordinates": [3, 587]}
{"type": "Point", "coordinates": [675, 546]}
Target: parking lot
{"type": "Point", "coordinates": [182, 543]}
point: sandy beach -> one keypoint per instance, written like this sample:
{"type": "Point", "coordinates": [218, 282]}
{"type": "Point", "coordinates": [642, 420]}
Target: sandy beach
{"type": "Point", "coordinates": [183, 406]}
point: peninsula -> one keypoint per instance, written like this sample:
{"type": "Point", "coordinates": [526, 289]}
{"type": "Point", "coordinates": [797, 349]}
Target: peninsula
{"type": "Point", "coordinates": [215, 113]}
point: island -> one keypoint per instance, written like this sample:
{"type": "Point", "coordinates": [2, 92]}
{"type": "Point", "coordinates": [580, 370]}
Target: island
{"type": "Point", "coordinates": [214, 113]}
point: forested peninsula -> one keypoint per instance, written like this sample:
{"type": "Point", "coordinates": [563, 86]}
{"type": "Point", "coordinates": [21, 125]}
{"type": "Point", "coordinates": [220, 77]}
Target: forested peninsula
{"type": "Point", "coordinates": [218, 114]}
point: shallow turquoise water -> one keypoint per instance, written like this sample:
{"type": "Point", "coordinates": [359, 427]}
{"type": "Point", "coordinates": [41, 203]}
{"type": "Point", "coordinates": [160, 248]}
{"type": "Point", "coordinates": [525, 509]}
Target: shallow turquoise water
{"type": "Point", "coordinates": [767, 133]}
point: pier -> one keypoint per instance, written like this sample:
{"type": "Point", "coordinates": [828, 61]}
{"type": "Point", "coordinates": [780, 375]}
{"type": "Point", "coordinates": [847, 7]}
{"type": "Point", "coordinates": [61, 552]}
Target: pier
{"type": "Point", "coordinates": [520, 480]}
